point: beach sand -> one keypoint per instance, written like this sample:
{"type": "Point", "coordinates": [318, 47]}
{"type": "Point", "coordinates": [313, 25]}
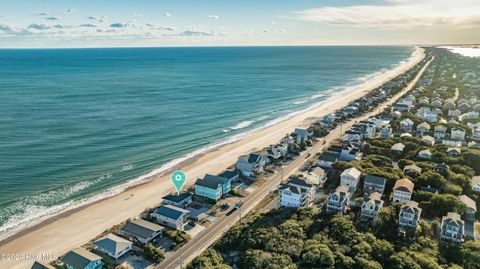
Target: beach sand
{"type": "Point", "coordinates": [72, 229]}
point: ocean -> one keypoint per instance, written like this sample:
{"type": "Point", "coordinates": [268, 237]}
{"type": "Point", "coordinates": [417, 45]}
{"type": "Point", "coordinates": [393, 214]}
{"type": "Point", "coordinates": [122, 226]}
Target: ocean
{"type": "Point", "coordinates": [77, 125]}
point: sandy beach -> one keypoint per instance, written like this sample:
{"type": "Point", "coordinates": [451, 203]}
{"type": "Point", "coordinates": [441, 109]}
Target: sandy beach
{"type": "Point", "coordinates": [73, 229]}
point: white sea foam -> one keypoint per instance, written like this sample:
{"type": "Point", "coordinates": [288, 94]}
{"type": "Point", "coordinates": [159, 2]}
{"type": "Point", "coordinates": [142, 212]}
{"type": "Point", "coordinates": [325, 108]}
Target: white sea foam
{"type": "Point", "coordinates": [302, 101]}
{"type": "Point", "coordinates": [127, 167]}
{"type": "Point", "coordinates": [243, 124]}
{"type": "Point", "coordinates": [35, 214]}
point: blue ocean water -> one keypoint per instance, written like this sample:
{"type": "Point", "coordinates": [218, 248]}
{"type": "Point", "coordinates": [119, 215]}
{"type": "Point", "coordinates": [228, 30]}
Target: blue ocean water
{"type": "Point", "coordinates": [76, 122]}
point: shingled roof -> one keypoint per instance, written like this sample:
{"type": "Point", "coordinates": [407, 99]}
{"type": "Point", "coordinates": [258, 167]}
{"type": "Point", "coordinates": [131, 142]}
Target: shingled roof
{"type": "Point", "coordinates": [404, 185]}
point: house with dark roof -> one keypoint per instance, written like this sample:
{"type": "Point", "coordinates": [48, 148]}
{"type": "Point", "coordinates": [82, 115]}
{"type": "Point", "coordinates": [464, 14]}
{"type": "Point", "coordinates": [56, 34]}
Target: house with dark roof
{"type": "Point", "coordinates": [453, 228]}
{"type": "Point", "coordinates": [212, 187]}
{"type": "Point", "coordinates": [337, 201]}
{"type": "Point", "coordinates": [441, 168]}
{"type": "Point", "coordinates": [172, 216]}
{"type": "Point", "coordinates": [230, 175]}
{"type": "Point", "coordinates": [81, 258]}
{"type": "Point", "coordinates": [113, 245]}
{"type": "Point", "coordinates": [406, 125]}
{"type": "Point", "coordinates": [182, 200]}
{"type": "Point", "coordinates": [327, 159]}
{"type": "Point", "coordinates": [250, 164]}
{"type": "Point", "coordinates": [409, 216]}
{"type": "Point", "coordinates": [141, 230]}
{"type": "Point", "coordinates": [296, 193]}
{"type": "Point", "coordinates": [41, 265]}
{"type": "Point", "coordinates": [372, 183]}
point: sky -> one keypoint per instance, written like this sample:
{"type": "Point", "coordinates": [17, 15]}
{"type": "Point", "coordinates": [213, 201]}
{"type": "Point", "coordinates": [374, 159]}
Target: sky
{"type": "Point", "coordinates": [108, 23]}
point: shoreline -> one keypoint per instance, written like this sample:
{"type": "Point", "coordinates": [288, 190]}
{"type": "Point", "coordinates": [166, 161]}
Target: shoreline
{"type": "Point", "coordinates": [58, 233]}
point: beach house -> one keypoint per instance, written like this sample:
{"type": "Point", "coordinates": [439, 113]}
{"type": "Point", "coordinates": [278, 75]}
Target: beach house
{"type": "Point", "coordinates": [182, 200]}
{"type": "Point", "coordinates": [350, 178]}
{"type": "Point", "coordinates": [386, 131]}
{"type": "Point", "coordinates": [172, 216]}
{"type": "Point", "coordinates": [41, 265]}
{"type": "Point", "coordinates": [439, 131]}
{"type": "Point", "coordinates": [441, 168]}
{"type": "Point", "coordinates": [113, 245]}
{"type": "Point", "coordinates": [397, 148]}
{"type": "Point", "coordinates": [402, 191]}
{"type": "Point", "coordinates": [423, 129]}
{"type": "Point", "coordinates": [430, 141]}
{"type": "Point", "coordinates": [452, 228]}
{"type": "Point", "coordinates": [425, 154]}
{"type": "Point", "coordinates": [406, 125]}
{"type": "Point", "coordinates": [212, 187]}
{"type": "Point", "coordinates": [250, 164]}
{"type": "Point", "coordinates": [371, 206]}
{"type": "Point", "coordinates": [458, 134]}
{"type": "Point", "coordinates": [372, 183]}
{"type": "Point", "coordinates": [454, 151]}
{"type": "Point", "coordinates": [338, 200]}
{"type": "Point", "coordinates": [316, 176]}
{"type": "Point", "coordinates": [141, 230]}
{"type": "Point", "coordinates": [327, 159]}
{"type": "Point", "coordinates": [296, 193]}
{"type": "Point", "coordinates": [471, 205]}
{"type": "Point", "coordinates": [301, 135]}
{"type": "Point", "coordinates": [81, 258]}
{"type": "Point", "coordinates": [409, 216]}
{"type": "Point", "coordinates": [412, 169]}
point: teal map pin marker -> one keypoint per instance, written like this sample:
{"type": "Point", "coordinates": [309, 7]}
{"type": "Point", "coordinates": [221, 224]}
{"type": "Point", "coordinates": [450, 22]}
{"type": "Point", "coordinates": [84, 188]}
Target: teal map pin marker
{"type": "Point", "coordinates": [178, 178]}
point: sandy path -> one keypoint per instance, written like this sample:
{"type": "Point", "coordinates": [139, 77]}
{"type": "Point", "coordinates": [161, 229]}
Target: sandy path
{"type": "Point", "coordinates": [73, 229]}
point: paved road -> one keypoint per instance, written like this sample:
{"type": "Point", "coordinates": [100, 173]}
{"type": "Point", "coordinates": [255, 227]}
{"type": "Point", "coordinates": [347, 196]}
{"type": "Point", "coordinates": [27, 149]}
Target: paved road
{"type": "Point", "coordinates": [202, 241]}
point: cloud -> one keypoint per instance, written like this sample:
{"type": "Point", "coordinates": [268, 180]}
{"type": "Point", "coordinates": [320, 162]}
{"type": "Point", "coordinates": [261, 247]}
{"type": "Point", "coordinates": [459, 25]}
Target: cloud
{"type": "Point", "coordinates": [196, 33]}
{"type": "Point", "coordinates": [399, 14]}
{"type": "Point", "coordinates": [52, 18]}
{"type": "Point", "coordinates": [166, 14]}
{"type": "Point", "coordinates": [37, 26]}
{"type": "Point", "coordinates": [214, 17]}
{"type": "Point", "coordinates": [122, 25]}
{"type": "Point", "coordinates": [166, 28]}
{"type": "Point", "coordinates": [99, 19]}
{"type": "Point", "coordinates": [88, 25]}
{"type": "Point", "coordinates": [154, 26]}
{"type": "Point", "coordinates": [8, 29]}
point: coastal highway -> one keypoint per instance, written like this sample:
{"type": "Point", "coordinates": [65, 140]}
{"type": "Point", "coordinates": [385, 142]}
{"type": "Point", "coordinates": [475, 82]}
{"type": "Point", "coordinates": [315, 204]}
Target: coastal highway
{"type": "Point", "coordinates": [206, 238]}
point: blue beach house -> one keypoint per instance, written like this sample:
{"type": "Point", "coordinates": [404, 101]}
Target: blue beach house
{"type": "Point", "coordinates": [81, 258]}
{"type": "Point", "coordinates": [213, 187]}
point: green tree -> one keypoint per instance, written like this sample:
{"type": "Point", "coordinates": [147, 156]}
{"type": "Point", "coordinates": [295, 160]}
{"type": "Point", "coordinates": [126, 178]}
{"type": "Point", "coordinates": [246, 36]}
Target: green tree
{"type": "Point", "coordinates": [153, 253]}
{"type": "Point", "coordinates": [317, 255]}
{"type": "Point", "coordinates": [210, 259]}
